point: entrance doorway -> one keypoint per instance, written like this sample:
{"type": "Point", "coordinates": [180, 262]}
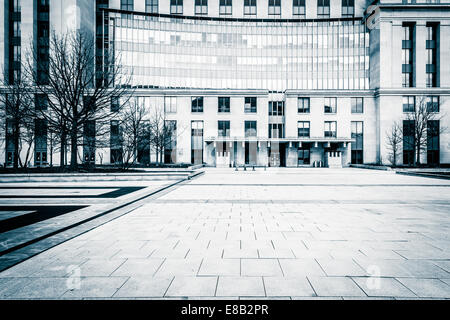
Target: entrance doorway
{"type": "Point", "coordinates": [277, 154]}
{"type": "Point", "coordinates": [251, 153]}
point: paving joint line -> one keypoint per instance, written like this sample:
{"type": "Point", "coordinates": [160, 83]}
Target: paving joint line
{"type": "Point", "coordinates": [79, 223]}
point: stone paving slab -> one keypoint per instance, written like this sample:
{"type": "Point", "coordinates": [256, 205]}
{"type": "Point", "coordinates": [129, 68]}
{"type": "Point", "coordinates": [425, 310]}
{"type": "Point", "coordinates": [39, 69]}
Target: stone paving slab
{"type": "Point", "coordinates": [278, 234]}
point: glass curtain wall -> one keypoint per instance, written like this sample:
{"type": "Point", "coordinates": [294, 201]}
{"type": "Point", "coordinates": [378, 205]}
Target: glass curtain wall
{"type": "Point", "coordinates": [168, 52]}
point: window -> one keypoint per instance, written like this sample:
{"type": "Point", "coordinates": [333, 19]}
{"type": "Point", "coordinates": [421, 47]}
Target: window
{"type": "Point", "coordinates": [303, 129]}
{"type": "Point", "coordinates": [433, 104]}
{"type": "Point", "coordinates": [250, 7]}
{"type": "Point", "coordinates": [304, 154]}
{"type": "Point", "coordinates": [408, 55]}
{"type": "Point", "coordinates": [275, 7]}
{"type": "Point", "coordinates": [151, 6]}
{"type": "Point", "coordinates": [299, 8]}
{"type": "Point", "coordinates": [127, 5]}
{"type": "Point", "coordinates": [250, 105]}
{"type": "Point", "coordinates": [330, 105]}
{"type": "Point", "coordinates": [432, 55]}
{"type": "Point", "coordinates": [330, 129]}
{"type": "Point", "coordinates": [176, 6]}
{"type": "Point", "coordinates": [250, 128]}
{"type": "Point", "coordinates": [357, 105]}
{"type": "Point", "coordinates": [408, 141]}
{"type": "Point", "coordinates": [201, 6]}
{"type": "Point", "coordinates": [276, 130]}
{"type": "Point", "coordinates": [115, 142]}
{"type": "Point", "coordinates": [303, 105]}
{"type": "Point", "coordinates": [115, 104]}
{"type": "Point", "coordinates": [197, 142]}
{"type": "Point", "coordinates": [358, 143]}
{"type": "Point", "coordinates": [170, 104]}
{"type": "Point", "coordinates": [16, 5]}
{"type": "Point", "coordinates": [41, 102]}
{"type": "Point", "coordinates": [276, 108]}
{"type": "Point", "coordinates": [89, 142]}
{"type": "Point", "coordinates": [16, 53]}
{"type": "Point", "coordinates": [197, 104]}
{"type": "Point", "coordinates": [323, 8]}
{"type": "Point", "coordinates": [16, 28]}
{"type": "Point", "coordinates": [433, 148]}
{"type": "Point", "coordinates": [223, 128]}
{"type": "Point", "coordinates": [225, 7]}
{"type": "Point", "coordinates": [224, 104]}
{"type": "Point", "coordinates": [40, 143]}
{"type": "Point", "coordinates": [409, 104]}
{"type": "Point", "coordinates": [348, 8]}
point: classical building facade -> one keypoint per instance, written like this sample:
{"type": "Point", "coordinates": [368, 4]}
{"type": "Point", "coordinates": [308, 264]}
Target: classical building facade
{"type": "Point", "coordinates": [262, 82]}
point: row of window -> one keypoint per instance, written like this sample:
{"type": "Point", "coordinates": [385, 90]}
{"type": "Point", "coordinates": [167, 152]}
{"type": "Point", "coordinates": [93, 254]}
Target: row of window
{"type": "Point", "coordinates": [409, 55]}
{"type": "Point", "coordinates": [277, 130]}
{"type": "Point", "coordinates": [225, 7]}
{"type": "Point", "coordinates": [431, 103]}
{"type": "Point", "coordinates": [276, 108]}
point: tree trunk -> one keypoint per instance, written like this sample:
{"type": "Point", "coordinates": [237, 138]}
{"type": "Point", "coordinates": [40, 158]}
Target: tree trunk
{"type": "Point", "coordinates": [63, 149]}
{"type": "Point", "coordinates": [73, 150]}
{"type": "Point", "coordinates": [16, 145]}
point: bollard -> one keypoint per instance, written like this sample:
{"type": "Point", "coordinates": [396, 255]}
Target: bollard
{"type": "Point", "coordinates": [253, 168]}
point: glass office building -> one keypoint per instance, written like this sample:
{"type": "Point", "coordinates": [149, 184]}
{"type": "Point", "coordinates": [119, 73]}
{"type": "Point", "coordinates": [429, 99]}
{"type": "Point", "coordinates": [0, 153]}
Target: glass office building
{"type": "Point", "coordinates": [191, 52]}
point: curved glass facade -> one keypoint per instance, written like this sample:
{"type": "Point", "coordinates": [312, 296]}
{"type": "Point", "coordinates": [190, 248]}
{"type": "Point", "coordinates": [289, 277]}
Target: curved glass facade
{"type": "Point", "coordinates": [219, 54]}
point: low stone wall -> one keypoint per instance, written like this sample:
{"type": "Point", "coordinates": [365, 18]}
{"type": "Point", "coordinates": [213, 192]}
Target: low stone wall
{"type": "Point", "coordinates": [81, 177]}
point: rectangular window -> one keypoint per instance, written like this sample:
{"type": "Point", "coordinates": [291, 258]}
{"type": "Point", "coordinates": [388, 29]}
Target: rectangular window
{"type": "Point", "coordinates": [197, 142]}
{"type": "Point", "coordinates": [89, 142]}
{"type": "Point", "coordinates": [224, 104]}
{"type": "Point", "coordinates": [16, 53]}
{"type": "Point", "coordinates": [275, 7]}
{"type": "Point", "coordinates": [409, 104]}
{"type": "Point", "coordinates": [40, 144]}
{"type": "Point", "coordinates": [304, 154]}
{"type": "Point", "coordinates": [223, 128]}
{"type": "Point", "coordinates": [225, 7]}
{"type": "Point", "coordinates": [432, 49]}
{"type": "Point", "coordinates": [433, 156]}
{"type": "Point", "coordinates": [357, 105]}
{"type": "Point", "coordinates": [115, 142]}
{"type": "Point", "coordinates": [330, 129]}
{"type": "Point", "coordinates": [276, 108]}
{"type": "Point", "coordinates": [276, 130]}
{"type": "Point", "coordinates": [16, 29]}
{"type": "Point", "coordinates": [197, 104]}
{"type": "Point", "coordinates": [151, 6]}
{"type": "Point", "coordinates": [408, 47]}
{"type": "Point", "coordinates": [348, 8]}
{"type": "Point", "coordinates": [303, 129]}
{"type": "Point", "coordinates": [358, 143]}
{"type": "Point", "coordinates": [433, 103]}
{"type": "Point", "coordinates": [250, 105]}
{"type": "Point", "coordinates": [40, 102]}
{"type": "Point", "coordinates": [323, 8]}
{"type": "Point", "coordinates": [201, 6]}
{"type": "Point", "coordinates": [250, 128]}
{"type": "Point", "coordinates": [115, 104]}
{"type": "Point", "coordinates": [330, 105]}
{"type": "Point", "coordinates": [170, 104]}
{"type": "Point", "coordinates": [299, 8]}
{"type": "Point", "coordinates": [303, 105]}
{"type": "Point", "coordinates": [127, 5]}
{"type": "Point", "coordinates": [408, 141]}
{"type": "Point", "coordinates": [15, 5]}
{"type": "Point", "coordinates": [176, 6]}
{"type": "Point", "coordinates": [250, 7]}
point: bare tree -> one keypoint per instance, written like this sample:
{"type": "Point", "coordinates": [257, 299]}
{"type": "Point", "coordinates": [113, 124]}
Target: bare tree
{"type": "Point", "coordinates": [419, 120]}
{"type": "Point", "coordinates": [17, 110]}
{"type": "Point", "coordinates": [75, 96]}
{"type": "Point", "coordinates": [135, 132]}
{"type": "Point", "coordinates": [394, 138]}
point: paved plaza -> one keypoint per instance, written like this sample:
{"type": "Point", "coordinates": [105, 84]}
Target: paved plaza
{"type": "Point", "coordinates": [277, 234]}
